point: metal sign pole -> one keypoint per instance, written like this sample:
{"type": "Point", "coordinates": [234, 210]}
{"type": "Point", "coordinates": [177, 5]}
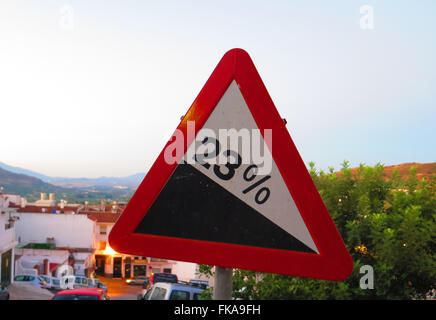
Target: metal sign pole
{"type": "Point", "coordinates": [223, 283]}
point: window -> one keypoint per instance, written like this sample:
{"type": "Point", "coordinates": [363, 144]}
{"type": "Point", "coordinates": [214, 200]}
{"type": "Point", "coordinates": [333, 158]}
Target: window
{"type": "Point", "coordinates": [167, 270]}
{"type": "Point", "coordinates": [197, 296]}
{"type": "Point", "coordinates": [147, 295]}
{"type": "Point", "coordinates": [84, 281]}
{"type": "Point", "coordinates": [179, 295]}
{"type": "Point", "coordinates": [102, 245]}
{"type": "Point", "coordinates": [19, 278]}
{"type": "Point", "coordinates": [103, 229]}
{"type": "Point", "coordinates": [155, 270]}
{"type": "Point", "coordinates": [158, 294]}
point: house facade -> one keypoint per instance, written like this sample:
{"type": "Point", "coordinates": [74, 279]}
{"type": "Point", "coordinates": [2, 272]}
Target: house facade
{"type": "Point", "coordinates": [113, 264]}
{"type": "Point", "coordinates": [7, 239]}
{"type": "Point", "coordinates": [47, 240]}
{"type": "Point", "coordinates": [51, 235]}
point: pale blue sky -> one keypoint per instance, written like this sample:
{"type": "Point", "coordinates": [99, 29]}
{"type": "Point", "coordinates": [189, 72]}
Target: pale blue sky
{"type": "Point", "coordinates": [101, 97]}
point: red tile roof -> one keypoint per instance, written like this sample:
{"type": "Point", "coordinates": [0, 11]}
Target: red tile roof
{"type": "Point", "coordinates": [107, 217]}
{"type": "Point", "coordinates": [40, 209]}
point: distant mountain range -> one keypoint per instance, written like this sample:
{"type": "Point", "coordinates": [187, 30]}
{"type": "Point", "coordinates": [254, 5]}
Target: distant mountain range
{"type": "Point", "coordinates": [132, 181]}
{"type": "Point", "coordinates": [78, 190]}
{"type": "Point", "coordinates": [23, 184]}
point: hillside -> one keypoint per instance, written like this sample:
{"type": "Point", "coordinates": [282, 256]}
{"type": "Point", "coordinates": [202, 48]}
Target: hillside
{"type": "Point", "coordinates": [131, 181]}
{"type": "Point", "coordinates": [424, 170]}
{"type": "Point", "coordinates": [31, 187]}
{"type": "Point", "coordinates": [25, 185]}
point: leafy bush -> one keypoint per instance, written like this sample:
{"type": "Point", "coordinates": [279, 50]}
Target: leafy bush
{"type": "Point", "coordinates": [386, 222]}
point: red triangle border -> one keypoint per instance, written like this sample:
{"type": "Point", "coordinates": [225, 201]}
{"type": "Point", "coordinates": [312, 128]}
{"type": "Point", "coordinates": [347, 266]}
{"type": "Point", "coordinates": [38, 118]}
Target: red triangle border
{"type": "Point", "coordinates": [333, 263]}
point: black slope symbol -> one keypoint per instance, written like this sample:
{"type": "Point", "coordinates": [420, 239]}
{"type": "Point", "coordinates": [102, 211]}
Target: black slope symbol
{"type": "Point", "coordinates": [193, 206]}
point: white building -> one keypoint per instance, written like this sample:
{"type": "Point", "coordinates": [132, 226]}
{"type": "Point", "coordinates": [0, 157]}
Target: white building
{"type": "Point", "coordinates": [7, 239]}
{"type": "Point", "coordinates": [114, 264]}
{"type": "Point", "coordinates": [66, 230]}
{"type": "Point", "coordinates": [43, 237]}
{"type": "Point", "coordinates": [117, 265]}
{"type": "Point", "coordinates": [46, 233]}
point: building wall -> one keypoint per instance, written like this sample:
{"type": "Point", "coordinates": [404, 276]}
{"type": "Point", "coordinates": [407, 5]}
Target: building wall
{"type": "Point", "coordinates": [185, 270]}
{"type": "Point", "coordinates": [7, 243]}
{"type": "Point", "coordinates": [27, 259]}
{"type": "Point", "coordinates": [68, 230]}
{"type": "Point", "coordinates": [102, 237]}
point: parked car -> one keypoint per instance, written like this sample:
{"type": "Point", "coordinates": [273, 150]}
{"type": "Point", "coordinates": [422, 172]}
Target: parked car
{"type": "Point", "coordinates": [96, 283]}
{"type": "Point", "coordinates": [102, 286]}
{"type": "Point", "coordinates": [81, 294]}
{"type": "Point", "coordinates": [138, 280]}
{"type": "Point", "coordinates": [52, 283]}
{"type": "Point", "coordinates": [80, 282]}
{"type": "Point", "coordinates": [4, 294]}
{"type": "Point", "coordinates": [93, 282]}
{"type": "Point", "coordinates": [159, 277]}
{"type": "Point", "coordinates": [204, 284]}
{"type": "Point", "coordinates": [163, 277]}
{"type": "Point", "coordinates": [32, 280]}
{"type": "Point", "coordinates": [171, 291]}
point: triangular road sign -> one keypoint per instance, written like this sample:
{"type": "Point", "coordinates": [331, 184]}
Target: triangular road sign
{"type": "Point", "coordinates": [207, 201]}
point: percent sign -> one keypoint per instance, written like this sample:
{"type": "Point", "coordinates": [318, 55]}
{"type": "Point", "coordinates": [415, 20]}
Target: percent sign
{"type": "Point", "coordinates": [263, 193]}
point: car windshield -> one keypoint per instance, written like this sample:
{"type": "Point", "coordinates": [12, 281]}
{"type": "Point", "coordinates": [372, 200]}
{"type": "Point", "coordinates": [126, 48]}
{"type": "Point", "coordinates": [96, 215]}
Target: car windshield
{"type": "Point", "coordinates": [158, 294]}
{"type": "Point", "coordinates": [75, 297]}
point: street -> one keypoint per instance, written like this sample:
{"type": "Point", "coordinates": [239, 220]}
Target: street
{"type": "Point", "coordinates": [118, 289]}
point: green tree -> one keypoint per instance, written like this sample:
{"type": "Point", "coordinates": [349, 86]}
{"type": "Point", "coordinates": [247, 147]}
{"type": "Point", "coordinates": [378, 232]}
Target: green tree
{"type": "Point", "coordinates": [386, 222]}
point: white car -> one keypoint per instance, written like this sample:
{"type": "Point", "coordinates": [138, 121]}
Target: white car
{"type": "Point", "coordinates": [52, 282]}
{"type": "Point", "coordinates": [171, 291]}
{"type": "Point", "coordinates": [32, 280]}
{"type": "Point", "coordinates": [93, 282]}
{"type": "Point", "coordinates": [96, 283]}
{"type": "Point", "coordinates": [204, 284]}
{"type": "Point", "coordinates": [80, 282]}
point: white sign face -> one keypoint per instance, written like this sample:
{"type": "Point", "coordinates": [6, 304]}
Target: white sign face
{"type": "Point", "coordinates": [245, 169]}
